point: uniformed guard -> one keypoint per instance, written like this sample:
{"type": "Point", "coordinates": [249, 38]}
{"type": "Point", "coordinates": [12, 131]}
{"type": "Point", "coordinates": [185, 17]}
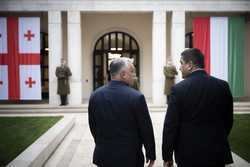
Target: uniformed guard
{"type": "Point", "coordinates": [63, 73]}
{"type": "Point", "coordinates": [170, 72]}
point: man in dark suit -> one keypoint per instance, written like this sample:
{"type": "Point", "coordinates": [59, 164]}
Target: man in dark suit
{"type": "Point", "coordinates": [120, 122]}
{"type": "Point", "coordinates": [199, 117]}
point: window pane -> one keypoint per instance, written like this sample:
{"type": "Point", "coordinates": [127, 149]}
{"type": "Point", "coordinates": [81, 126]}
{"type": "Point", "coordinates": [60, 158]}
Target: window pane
{"type": "Point", "coordinates": [133, 56]}
{"type": "Point", "coordinates": [119, 37]}
{"type": "Point", "coordinates": [134, 47]}
{"type": "Point", "coordinates": [126, 42]}
{"type": "Point", "coordinates": [106, 42]}
{"type": "Point", "coordinates": [98, 60]}
{"type": "Point", "coordinates": [113, 41]}
{"type": "Point", "coordinates": [99, 45]}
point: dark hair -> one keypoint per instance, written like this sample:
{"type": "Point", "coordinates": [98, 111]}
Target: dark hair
{"type": "Point", "coordinates": [195, 56]}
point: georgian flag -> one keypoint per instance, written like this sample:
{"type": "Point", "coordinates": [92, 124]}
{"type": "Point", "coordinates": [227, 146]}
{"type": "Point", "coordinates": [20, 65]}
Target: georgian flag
{"type": "Point", "coordinates": [3, 82]}
{"type": "Point", "coordinates": [30, 82]}
{"type": "Point", "coordinates": [3, 35]}
{"type": "Point", "coordinates": [20, 58]}
{"type": "Point", "coordinates": [3, 68]}
{"type": "Point", "coordinates": [29, 35]}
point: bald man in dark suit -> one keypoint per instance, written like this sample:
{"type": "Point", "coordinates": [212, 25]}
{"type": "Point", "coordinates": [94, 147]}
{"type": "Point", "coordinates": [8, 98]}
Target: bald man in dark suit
{"type": "Point", "coordinates": [120, 122]}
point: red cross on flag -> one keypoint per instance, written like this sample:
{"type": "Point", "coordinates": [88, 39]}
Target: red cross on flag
{"type": "Point", "coordinates": [20, 72]}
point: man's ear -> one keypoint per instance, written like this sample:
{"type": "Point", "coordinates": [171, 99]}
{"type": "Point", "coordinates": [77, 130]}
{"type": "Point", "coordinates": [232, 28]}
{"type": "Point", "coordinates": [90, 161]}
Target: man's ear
{"type": "Point", "coordinates": [122, 74]}
{"type": "Point", "coordinates": [190, 65]}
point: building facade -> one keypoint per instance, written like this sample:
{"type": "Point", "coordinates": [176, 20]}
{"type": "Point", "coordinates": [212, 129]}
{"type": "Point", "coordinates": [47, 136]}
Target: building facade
{"type": "Point", "coordinates": [90, 33]}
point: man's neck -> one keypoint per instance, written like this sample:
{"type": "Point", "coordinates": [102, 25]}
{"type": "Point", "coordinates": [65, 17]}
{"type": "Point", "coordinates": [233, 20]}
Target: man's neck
{"type": "Point", "coordinates": [118, 79]}
{"type": "Point", "coordinates": [197, 69]}
{"type": "Point", "coordinates": [115, 79]}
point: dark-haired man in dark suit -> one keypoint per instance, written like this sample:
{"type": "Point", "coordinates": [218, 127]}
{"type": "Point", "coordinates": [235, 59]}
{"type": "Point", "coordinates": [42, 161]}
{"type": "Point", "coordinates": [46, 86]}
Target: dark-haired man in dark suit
{"type": "Point", "coordinates": [199, 117]}
{"type": "Point", "coordinates": [120, 122]}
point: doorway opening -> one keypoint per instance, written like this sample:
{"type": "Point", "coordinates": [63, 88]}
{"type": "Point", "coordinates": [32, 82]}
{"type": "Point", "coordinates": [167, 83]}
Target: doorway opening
{"type": "Point", "coordinates": [108, 47]}
{"type": "Point", "coordinates": [44, 66]}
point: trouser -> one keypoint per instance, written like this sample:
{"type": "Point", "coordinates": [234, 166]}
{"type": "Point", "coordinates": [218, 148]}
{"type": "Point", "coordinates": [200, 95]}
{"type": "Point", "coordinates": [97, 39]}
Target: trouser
{"type": "Point", "coordinates": [63, 99]}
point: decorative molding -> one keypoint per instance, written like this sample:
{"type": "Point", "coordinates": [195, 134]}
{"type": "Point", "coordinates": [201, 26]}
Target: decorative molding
{"type": "Point", "coordinates": [126, 6]}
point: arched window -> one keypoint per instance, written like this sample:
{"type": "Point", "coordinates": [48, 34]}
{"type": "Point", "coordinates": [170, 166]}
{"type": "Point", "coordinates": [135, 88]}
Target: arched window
{"type": "Point", "coordinates": [109, 46]}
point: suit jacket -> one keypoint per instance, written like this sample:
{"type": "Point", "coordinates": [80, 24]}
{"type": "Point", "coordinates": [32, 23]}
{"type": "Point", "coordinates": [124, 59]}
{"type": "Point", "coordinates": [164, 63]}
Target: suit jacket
{"type": "Point", "coordinates": [120, 124]}
{"type": "Point", "coordinates": [63, 73]}
{"type": "Point", "coordinates": [198, 121]}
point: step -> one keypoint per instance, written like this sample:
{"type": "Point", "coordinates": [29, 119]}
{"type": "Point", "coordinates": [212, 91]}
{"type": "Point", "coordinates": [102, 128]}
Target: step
{"type": "Point", "coordinates": [37, 106]}
{"type": "Point", "coordinates": [241, 104]}
{"type": "Point", "coordinates": [242, 109]}
{"type": "Point", "coordinates": [40, 106]}
{"type": "Point", "coordinates": [41, 111]}
{"type": "Point", "coordinates": [45, 108]}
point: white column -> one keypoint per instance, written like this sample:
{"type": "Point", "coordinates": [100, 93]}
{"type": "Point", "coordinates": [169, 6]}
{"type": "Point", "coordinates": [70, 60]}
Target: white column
{"type": "Point", "coordinates": [177, 39]}
{"type": "Point", "coordinates": [75, 56]}
{"type": "Point", "coordinates": [55, 52]}
{"type": "Point", "coordinates": [158, 57]}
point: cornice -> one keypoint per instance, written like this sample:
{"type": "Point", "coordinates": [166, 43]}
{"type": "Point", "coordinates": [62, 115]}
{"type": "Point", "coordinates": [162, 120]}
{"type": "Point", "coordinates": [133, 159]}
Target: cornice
{"type": "Point", "coordinates": [125, 5]}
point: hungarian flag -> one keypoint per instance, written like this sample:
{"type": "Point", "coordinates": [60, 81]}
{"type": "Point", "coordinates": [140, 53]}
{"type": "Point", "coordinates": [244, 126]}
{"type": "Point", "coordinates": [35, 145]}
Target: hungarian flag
{"type": "Point", "coordinates": [222, 41]}
{"type": "Point", "coordinates": [20, 72]}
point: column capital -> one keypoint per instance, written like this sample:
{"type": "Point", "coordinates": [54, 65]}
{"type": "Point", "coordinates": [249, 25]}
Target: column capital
{"type": "Point", "coordinates": [159, 17]}
{"type": "Point", "coordinates": [178, 16]}
{"type": "Point", "coordinates": [54, 17]}
{"type": "Point", "coordinates": [74, 17]}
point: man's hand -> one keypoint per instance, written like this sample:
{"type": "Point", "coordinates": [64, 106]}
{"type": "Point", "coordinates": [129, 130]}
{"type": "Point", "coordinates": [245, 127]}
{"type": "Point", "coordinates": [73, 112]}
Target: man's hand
{"type": "Point", "coordinates": [150, 162]}
{"type": "Point", "coordinates": [168, 164]}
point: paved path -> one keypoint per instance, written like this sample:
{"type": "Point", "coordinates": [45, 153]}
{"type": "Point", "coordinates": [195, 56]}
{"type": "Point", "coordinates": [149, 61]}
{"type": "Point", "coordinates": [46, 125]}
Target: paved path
{"type": "Point", "coordinates": [77, 148]}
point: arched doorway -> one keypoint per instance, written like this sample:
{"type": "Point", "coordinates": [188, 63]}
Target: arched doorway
{"type": "Point", "coordinates": [109, 46]}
